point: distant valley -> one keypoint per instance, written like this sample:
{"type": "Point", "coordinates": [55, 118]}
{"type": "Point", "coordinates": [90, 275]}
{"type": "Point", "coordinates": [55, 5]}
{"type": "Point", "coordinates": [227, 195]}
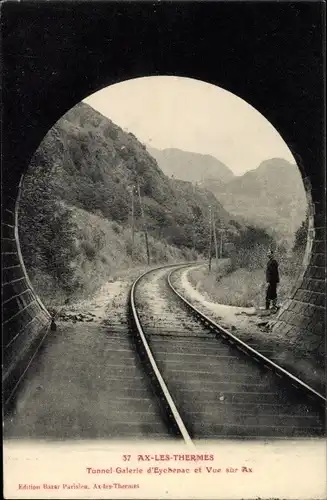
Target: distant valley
{"type": "Point", "coordinates": [271, 196]}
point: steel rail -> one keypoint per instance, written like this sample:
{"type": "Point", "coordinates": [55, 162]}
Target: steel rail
{"type": "Point", "coordinates": [162, 384]}
{"type": "Point", "coordinates": [281, 372]}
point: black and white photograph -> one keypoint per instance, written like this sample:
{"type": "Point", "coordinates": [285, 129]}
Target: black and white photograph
{"type": "Point", "coordinates": [163, 263]}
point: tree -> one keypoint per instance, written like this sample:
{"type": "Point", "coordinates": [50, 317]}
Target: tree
{"type": "Point", "coordinates": [251, 246]}
{"type": "Point", "coordinates": [301, 236]}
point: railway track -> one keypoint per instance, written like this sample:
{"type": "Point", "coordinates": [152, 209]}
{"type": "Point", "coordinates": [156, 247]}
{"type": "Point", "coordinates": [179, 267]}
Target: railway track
{"type": "Point", "coordinates": [211, 385]}
{"type": "Point", "coordinates": [164, 370]}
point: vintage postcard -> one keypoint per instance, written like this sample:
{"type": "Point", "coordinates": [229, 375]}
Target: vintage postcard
{"type": "Point", "coordinates": [163, 255]}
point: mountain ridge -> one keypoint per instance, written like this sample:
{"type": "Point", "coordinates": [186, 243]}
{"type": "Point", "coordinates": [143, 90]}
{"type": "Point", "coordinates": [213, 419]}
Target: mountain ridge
{"type": "Point", "coordinates": [186, 165]}
{"type": "Point", "coordinates": [270, 196]}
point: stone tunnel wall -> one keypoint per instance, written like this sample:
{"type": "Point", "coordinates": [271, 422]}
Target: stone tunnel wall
{"type": "Point", "coordinates": [25, 320]}
{"type": "Point", "coordinates": [302, 317]}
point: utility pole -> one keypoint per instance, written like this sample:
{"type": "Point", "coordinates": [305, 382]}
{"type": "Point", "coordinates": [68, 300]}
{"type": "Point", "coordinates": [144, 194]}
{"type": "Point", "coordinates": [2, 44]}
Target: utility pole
{"type": "Point", "coordinates": [215, 239]}
{"type": "Point", "coordinates": [221, 240]}
{"type": "Point", "coordinates": [133, 220]}
{"type": "Point", "coordinates": [210, 237]}
{"type": "Point", "coordinates": [144, 226]}
{"type": "Point", "coordinates": [193, 234]}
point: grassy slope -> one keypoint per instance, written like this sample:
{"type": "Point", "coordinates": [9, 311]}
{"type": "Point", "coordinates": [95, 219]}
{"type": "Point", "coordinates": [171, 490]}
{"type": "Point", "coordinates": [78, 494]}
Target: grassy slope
{"type": "Point", "coordinates": [241, 287]}
{"type": "Point", "coordinates": [102, 251]}
{"type": "Point", "coordinates": [299, 357]}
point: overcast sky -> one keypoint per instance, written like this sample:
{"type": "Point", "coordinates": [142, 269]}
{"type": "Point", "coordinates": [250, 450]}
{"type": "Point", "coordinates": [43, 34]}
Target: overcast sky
{"type": "Point", "coordinates": [173, 112]}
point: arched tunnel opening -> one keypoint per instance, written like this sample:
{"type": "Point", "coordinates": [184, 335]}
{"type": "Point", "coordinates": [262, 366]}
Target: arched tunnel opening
{"type": "Point", "coordinates": [25, 318]}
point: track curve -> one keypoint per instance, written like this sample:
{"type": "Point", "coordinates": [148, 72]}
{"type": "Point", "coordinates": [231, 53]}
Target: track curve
{"type": "Point", "coordinates": [171, 372]}
{"type": "Point", "coordinates": [210, 383]}
{"type": "Point", "coordinates": [166, 396]}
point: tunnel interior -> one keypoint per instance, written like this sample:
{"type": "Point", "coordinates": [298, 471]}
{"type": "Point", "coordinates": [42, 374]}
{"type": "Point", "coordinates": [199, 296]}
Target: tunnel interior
{"type": "Point", "coordinates": [37, 94]}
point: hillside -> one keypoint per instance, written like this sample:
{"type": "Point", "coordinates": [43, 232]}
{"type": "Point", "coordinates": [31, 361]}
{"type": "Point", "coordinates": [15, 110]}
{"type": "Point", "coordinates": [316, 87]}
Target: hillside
{"type": "Point", "coordinates": [92, 164]}
{"type": "Point", "coordinates": [271, 196]}
{"type": "Point", "coordinates": [193, 167]}
{"type": "Point", "coordinates": [87, 165]}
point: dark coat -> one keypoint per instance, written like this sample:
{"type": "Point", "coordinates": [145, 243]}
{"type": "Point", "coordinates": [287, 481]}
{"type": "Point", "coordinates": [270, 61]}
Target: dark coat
{"type": "Point", "coordinates": [272, 275]}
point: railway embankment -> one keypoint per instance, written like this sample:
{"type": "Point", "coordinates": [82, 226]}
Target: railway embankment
{"type": "Point", "coordinates": [108, 306]}
{"type": "Point", "coordinates": [246, 323]}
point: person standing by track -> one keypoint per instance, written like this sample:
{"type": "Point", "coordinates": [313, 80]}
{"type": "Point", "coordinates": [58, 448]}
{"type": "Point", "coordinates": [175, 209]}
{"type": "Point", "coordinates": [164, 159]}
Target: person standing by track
{"type": "Point", "coordinates": [272, 279]}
